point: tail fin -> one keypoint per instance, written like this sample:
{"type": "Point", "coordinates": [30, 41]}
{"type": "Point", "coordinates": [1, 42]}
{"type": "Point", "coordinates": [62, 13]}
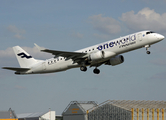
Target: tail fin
{"type": "Point", "coordinates": [25, 60]}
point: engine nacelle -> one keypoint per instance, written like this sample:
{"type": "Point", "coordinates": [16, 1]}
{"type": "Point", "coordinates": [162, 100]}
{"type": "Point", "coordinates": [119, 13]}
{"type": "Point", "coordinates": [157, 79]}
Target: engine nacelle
{"type": "Point", "coordinates": [96, 56]}
{"type": "Point", "coordinates": [115, 60]}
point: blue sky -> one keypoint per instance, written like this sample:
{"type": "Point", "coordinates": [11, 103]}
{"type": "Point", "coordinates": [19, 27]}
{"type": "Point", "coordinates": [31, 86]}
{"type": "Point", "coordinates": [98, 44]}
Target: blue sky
{"type": "Point", "coordinates": [72, 25]}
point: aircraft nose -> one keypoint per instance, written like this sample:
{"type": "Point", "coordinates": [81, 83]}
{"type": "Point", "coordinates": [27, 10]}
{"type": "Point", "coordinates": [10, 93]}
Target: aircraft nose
{"type": "Point", "coordinates": [161, 37]}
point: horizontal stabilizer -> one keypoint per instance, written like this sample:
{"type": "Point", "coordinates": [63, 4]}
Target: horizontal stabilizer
{"type": "Point", "coordinates": [16, 69]}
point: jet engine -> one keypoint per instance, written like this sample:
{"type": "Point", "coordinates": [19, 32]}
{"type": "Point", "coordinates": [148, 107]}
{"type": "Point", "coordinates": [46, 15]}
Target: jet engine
{"type": "Point", "coordinates": [115, 60]}
{"type": "Point", "coordinates": [96, 55]}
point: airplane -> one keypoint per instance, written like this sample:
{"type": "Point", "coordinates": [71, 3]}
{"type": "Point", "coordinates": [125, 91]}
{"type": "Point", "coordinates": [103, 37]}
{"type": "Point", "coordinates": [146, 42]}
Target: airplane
{"type": "Point", "coordinates": [108, 53]}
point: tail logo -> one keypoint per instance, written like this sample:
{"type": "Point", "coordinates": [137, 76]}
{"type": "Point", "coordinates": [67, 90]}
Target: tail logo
{"type": "Point", "coordinates": [23, 55]}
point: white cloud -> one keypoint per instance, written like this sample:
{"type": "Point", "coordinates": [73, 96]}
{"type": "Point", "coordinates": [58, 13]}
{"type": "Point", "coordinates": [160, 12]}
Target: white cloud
{"type": "Point", "coordinates": [153, 0]}
{"type": "Point", "coordinates": [7, 53]}
{"type": "Point", "coordinates": [77, 35]}
{"type": "Point", "coordinates": [14, 29]}
{"type": "Point", "coordinates": [36, 53]}
{"type": "Point", "coordinates": [18, 87]}
{"type": "Point", "coordinates": [18, 32]}
{"type": "Point", "coordinates": [106, 25]}
{"type": "Point", "coordinates": [144, 19]}
{"type": "Point", "coordinates": [18, 36]}
{"type": "Point", "coordinates": [32, 51]}
{"type": "Point", "coordinates": [102, 36]}
{"type": "Point", "coordinates": [159, 62]}
{"type": "Point", "coordinates": [159, 76]}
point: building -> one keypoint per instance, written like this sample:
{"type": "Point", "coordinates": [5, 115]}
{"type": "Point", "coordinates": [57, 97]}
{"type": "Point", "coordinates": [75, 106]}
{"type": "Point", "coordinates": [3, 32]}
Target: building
{"type": "Point", "coordinates": [117, 110]}
{"type": "Point", "coordinates": [49, 115]}
{"type": "Point", "coordinates": [59, 117]}
{"type": "Point", "coordinates": [77, 110]}
{"type": "Point", "coordinates": [8, 115]}
{"type": "Point", "coordinates": [108, 111]}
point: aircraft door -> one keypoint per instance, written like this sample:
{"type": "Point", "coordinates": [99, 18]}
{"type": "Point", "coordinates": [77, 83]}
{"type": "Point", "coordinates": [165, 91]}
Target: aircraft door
{"type": "Point", "coordinates": [43, 66]}
{"type": "Point", "coordinates": [139, 36]}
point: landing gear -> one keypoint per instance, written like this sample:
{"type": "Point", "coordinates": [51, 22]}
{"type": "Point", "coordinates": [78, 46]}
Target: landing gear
{"type": "Point", "coordinates": [147, 47]}
{"type": "Point", "coordinates": [148, 52]}
{"type": "Point", "coordinates": [83, 68]}
{"type": "Point", "coordinates": [96, 71]}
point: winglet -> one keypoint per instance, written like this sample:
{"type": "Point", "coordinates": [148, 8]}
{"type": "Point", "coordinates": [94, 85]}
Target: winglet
{"type": "Point", "coordinates": [40, 48]}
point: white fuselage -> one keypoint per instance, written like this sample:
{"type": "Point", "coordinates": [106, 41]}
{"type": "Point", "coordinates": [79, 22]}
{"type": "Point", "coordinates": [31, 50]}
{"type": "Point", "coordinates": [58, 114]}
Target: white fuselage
{"type": "Point", "coordinates": [116, 47]}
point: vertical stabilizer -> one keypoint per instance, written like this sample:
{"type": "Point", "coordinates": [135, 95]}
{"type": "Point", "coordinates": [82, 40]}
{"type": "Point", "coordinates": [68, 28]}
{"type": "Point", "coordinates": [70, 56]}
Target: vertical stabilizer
{"type": "Point", "coordinates": [25, 60]}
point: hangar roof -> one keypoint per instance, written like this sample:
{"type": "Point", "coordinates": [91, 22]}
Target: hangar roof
{"type": "Point", "coordinates": [8, 114]}
{"type": "Point", "coordinates": [31, 115]}
{"type": "Point", "coordinates": [129, 104]}
{"type": "Point", "coordinates": [83, 105]}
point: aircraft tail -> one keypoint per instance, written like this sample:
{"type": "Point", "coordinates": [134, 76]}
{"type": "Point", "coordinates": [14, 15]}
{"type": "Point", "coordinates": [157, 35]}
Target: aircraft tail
{"type": "Point", "coordinates": [25, 60]}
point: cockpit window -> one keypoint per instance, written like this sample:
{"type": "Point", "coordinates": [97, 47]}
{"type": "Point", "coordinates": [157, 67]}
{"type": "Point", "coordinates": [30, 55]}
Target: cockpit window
{"type": "Point", "coordinates": [150, 32]}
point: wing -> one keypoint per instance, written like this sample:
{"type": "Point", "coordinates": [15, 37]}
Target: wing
{"type": "Point", "coordinates": [75, 56]}
{"type": "Point", "coordinates": [16, 69]}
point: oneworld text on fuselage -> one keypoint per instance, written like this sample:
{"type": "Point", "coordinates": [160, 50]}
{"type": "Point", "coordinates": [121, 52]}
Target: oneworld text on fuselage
{"type": "Point", "coordinates": [123, 42]}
